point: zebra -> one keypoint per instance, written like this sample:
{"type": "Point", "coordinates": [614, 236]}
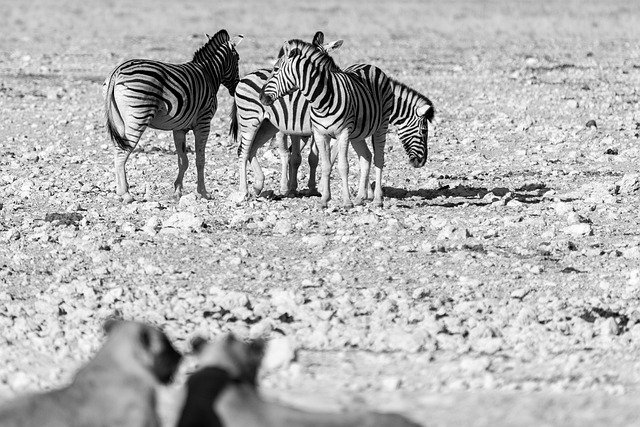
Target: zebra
{"type": "Point", "coordinates": [343, 105]}
{"type": "Point", "coordinates": [255, 124]}
{"type": "Point", "coordinates": [411, 114]}
{"type": "Point", "coordinates": [142, 93]}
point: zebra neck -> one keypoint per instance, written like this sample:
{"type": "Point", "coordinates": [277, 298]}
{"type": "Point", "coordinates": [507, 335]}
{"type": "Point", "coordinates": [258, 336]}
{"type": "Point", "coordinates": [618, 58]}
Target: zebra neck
{"type": "Point", "coordinates": [405, 103]}
{"type": "Point", "coordinates": [319, 90]}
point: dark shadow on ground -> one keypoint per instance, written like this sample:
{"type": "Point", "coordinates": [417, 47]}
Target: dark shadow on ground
{"type": "Point", "coordinates": [461, 194]}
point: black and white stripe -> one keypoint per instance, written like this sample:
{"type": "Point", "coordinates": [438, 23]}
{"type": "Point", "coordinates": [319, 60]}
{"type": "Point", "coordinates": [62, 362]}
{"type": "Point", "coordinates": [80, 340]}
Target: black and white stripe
{"type": "Point", "coordinates": [144, 93]}
{"type": "Point", "coordinates": [343, 105]}
{"type": "Point", "coordinates": [253, 124]}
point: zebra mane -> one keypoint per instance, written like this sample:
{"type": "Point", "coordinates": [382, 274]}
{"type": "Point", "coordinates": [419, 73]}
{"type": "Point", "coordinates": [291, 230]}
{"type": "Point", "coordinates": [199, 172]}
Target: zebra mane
{"type": "Point", "coordinates": [217, 40]}
{"type": "Point", "coordinates": [401, 87]}
{"type": "Point", "coordinates": [313, 52]}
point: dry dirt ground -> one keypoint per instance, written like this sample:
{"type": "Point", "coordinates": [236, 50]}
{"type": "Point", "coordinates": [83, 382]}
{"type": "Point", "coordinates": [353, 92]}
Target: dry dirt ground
{"type": "Point", "coordinates": [498, 286]}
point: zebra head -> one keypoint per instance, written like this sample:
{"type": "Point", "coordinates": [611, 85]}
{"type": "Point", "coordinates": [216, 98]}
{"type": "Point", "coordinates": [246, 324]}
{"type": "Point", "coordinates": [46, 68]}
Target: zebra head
{"type": "Point", "coordinates": [289, 70]}
{"type": "Point", "coordinates": [220, 57]}
{"type": "Point", "coordinates": [230, 72]}
{"type": "Point", "coordinates": [414, 135]}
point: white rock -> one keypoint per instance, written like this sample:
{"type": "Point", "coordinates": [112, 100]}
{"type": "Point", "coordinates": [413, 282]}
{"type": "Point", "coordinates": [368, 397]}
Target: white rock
{"type": "Point", "coordinates": [450, 232]}
{"type": "Point", "coordinates": [391, 383]}
{"type": "Point", "coordinates": [237, 197]}
{"type": "Point", "coordinates": [630, 183]}
{"type": "Point", "coordinates": [283, 226]}
{"type": "Point", "coordinates": [578, 230]}
{"type": "Point", "coordinates": [183, 220]}
{"type": "Point", "coordinates": [280, 352]}
{"type": "Point", "coordinates": [609, 327]}
{"type": "Point", "coordinates": [188, 200]}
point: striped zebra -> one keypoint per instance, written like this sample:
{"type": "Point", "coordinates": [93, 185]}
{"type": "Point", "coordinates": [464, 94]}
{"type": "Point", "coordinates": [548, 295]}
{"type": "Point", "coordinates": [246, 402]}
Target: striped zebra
{"type": "Point", "coordinates": [343, 105]}
{"type": "Point", "coordinates": [411, 114]}
{"type": "Point", "coordinates": [142, 93]}
{"type": "Point", "coordinates": [254, 124]}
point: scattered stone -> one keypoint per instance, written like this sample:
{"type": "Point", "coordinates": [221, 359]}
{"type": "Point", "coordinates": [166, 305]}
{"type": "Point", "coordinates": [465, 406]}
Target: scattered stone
{"type": "Point", "coordinates": [188, 200]}
{"type": "Point", "coordinates": [183, 220]}
{"type": "Point", "coordinates": [526, 316]}
{"type": "Point", "coordinates": [575, 218]}
{"type": "Point", "coordinates": [237, 197]}
{"type": "Point", "coordinates": [578, 230]}
{"type": "Point", "coordinates": [315, 240]}
{"type": "Point", "coordinates": [472, 282]}
{"type": "Point", "coordinates": [451, 232]}
{"type": "Point", "coordinates": [520, 293]}
{"type": "Point", "coordinates": [280, 353]}
{"type": "Point", "coordinates": [609, 327]}
{"type": "Point", "coordinates": [591, 124]}
{"type": "Point", "coordinates": [391, 383]}
{"type": "Point", "coordinates": [629, 184]}
{"type": "Point", "coordinates": [572, 103]}
{"type": "Point", "coordinates": [283, 227]}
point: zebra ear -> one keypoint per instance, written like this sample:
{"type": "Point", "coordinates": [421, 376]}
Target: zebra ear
{"type": "Point", "coordinates": [333, 45]}
{"type": "Point", "coordinates": [236, 40]}
{"type": "Point", "coordinates": [422, 111]}
{"type": "Point", "coordinates": [208, 36]}
{"type": "Point", "coordinates": [318, 39]}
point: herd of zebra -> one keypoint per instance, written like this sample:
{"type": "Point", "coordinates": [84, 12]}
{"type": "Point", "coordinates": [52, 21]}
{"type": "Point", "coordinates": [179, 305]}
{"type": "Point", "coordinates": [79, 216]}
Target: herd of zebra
{"type": "Point", "coordinates": [304, 95]}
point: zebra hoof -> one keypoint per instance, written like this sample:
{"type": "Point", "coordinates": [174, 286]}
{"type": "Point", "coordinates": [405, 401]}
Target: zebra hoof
{"type": "Point", "coordinates": [359, 201]}
{"type": "Point", "coordinates": [377, 203]}
{"type": "Point", "coordinates": [347, 205]}
{"type": "Point", "coordinates": [321, 205]}
{"type": "Point", "coordinates": [313, 192]}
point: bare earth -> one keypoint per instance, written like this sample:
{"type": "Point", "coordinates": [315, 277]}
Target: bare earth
{"type": "Point", "coordinates": [498, 286]}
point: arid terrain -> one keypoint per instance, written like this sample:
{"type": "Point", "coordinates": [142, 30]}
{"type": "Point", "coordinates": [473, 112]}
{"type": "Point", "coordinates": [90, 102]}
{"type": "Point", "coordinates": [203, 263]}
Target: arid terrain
{"type": "Point", "coordinates": [498, 286]}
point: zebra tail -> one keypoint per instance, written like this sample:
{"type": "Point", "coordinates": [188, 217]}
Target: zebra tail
{"type": "Point", "coordinates": [113, 114]}
{"type": "Point", "coordinates": [233, 127]}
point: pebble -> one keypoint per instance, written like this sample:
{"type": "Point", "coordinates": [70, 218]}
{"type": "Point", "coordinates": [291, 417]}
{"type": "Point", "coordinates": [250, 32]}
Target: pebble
{"type": "Point", "coordinates": [578, 230]}
{"type": "Point", "coordinates": [183, 220]}
{"type": "Point", "coordinates": [280, 353]}
{"type": "Point", "coordinates": [609, 327]}
{"type": "Point", "coordinates": [283, 227]}
{"type": "Point", "coordinates": [629, 184]}
{"type": "Point", "coordinates": [451, 232]}
{"type": "Point", "coordinates": [572, 103]}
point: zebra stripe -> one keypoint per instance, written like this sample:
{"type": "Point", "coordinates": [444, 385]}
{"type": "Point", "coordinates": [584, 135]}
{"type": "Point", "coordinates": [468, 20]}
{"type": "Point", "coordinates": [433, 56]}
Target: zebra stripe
{"type": "Point", "coordinates": [254, 124]}
{"type": "Point", "coordinates": [343, 106]}
{"type": "Point", "coordinates": [143, 93]}
{"type": "Point", "coordinates": [411, 113]}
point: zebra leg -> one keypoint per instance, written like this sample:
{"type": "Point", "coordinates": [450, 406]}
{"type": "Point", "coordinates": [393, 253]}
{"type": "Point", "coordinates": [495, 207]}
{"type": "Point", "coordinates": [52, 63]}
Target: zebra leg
{"type": "Point", "coordinates": [294, 165]}
{"type": "Point", "coordinates": [313, 167]}
{"type": "Point", "coordinates": [265, 132]}
{"type": "Point", "coordinates": [201, 135]}
{"type": "Point", "coordinates": [343, 167]}
{"type": "Point", "coordinates": [378, 141]}
{"type": "Point", "coordinates": [122, 186]}
{"type": "Point", "coordinates": [285, 157]}
{"type": "Point", "coordinates": [325, 163]}
{"type": "Point", "coordinates": [180, 140]}
{"type": "Point", "coordinates": [364, 156]}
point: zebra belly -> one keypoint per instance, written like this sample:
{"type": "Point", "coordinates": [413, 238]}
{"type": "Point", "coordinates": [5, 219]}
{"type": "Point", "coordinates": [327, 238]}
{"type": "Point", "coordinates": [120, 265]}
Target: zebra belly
{"type": "Point", "coordinates": [164, 121]}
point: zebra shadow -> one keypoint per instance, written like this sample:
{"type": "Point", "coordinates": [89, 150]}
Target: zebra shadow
{"type": "Point", "coordinates": [447, 196]}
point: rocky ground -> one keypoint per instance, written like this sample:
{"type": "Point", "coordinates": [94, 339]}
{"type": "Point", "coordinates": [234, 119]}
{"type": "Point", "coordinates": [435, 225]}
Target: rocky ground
{"type": "Point", "coordinates": [498, 286]}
